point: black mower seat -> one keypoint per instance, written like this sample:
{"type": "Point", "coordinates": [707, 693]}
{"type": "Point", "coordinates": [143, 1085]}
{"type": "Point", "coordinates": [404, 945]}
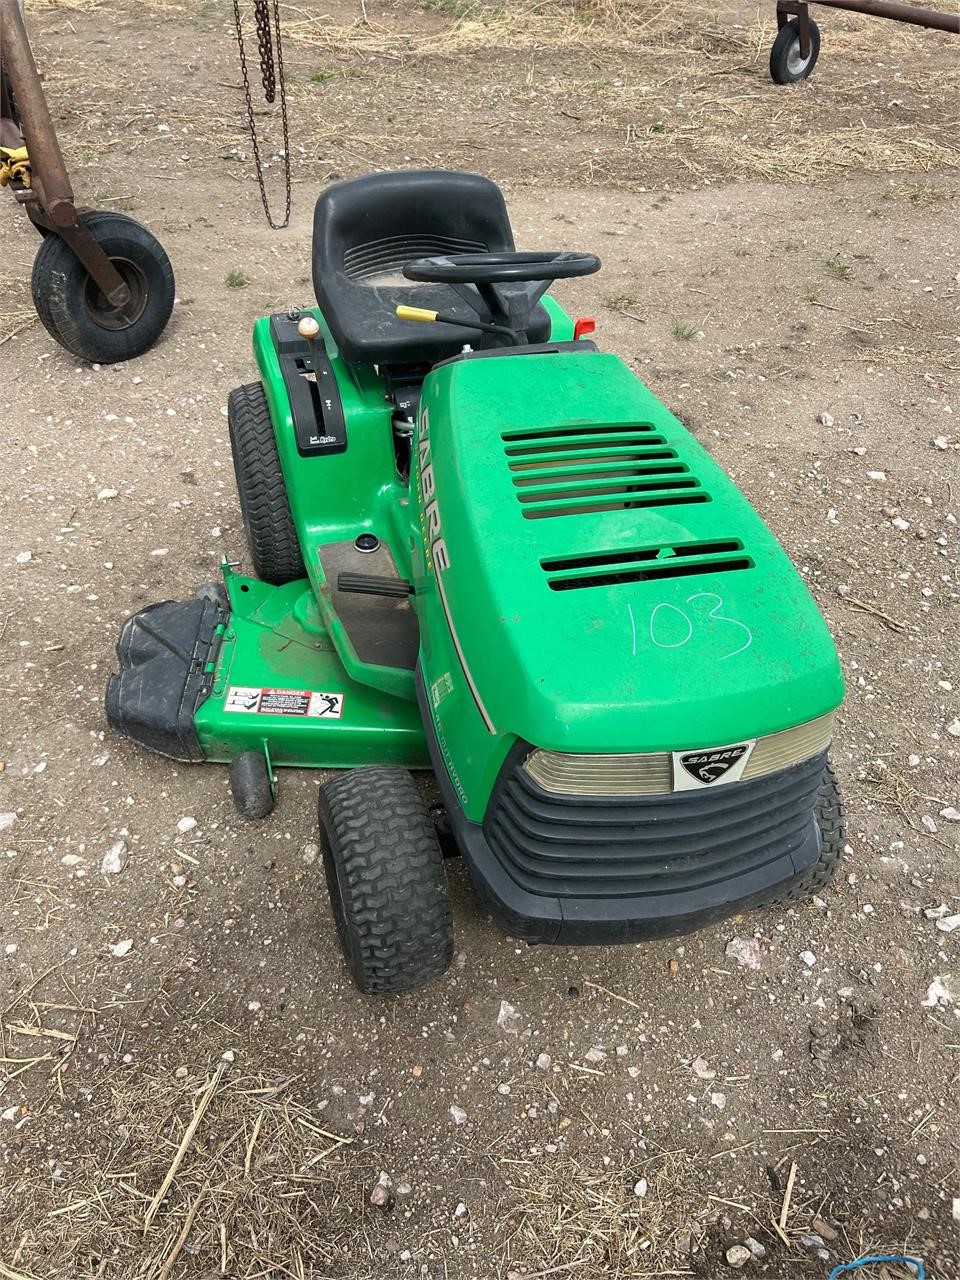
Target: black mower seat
{"type": "Point", "coordinates": [365, 230]}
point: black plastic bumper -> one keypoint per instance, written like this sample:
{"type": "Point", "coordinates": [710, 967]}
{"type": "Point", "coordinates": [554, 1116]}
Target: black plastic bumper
{"type": "Point", "coordinates": [164, 652]}
{"type": "Point", "coordinates": [583, 870]}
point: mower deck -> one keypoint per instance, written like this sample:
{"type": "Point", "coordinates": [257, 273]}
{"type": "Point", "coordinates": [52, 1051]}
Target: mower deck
{"type": "Point", "coordinates": [200, 681]}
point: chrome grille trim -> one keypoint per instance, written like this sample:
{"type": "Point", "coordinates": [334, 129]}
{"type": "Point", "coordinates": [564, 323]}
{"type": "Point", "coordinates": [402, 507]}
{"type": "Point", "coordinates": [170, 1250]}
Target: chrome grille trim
{"type": "Point", "coordinates": [566, 775]}
{"type": "Point", "coordinates": [650, 774]}
{"type": "Point", "coordinates": [790, 746]}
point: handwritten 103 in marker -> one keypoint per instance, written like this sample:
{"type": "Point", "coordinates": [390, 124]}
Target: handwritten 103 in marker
{"type": "Point", "coordinates": [670, 627]}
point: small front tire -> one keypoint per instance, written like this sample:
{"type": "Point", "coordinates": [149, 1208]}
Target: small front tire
{"type": "Point", "coordinates": [75, 312]}
{"type": "Point", "coordinates": [384, 873]}
{"type": "Point", "coordinates": [787, 63]}
{"type": "Point", "coordinates": [214, 591]}
{"type": "Point", "coordinates": [833, 836]}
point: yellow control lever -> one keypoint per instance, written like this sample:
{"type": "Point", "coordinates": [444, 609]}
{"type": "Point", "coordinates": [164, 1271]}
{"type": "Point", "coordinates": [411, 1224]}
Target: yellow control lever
{"type": "Point", "coordinates": [416, 313]}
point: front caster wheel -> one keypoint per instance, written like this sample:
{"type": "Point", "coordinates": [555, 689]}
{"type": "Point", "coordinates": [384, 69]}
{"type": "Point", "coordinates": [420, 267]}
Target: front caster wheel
{"type": "Point", "coordinates": [251, 786]}
{"type": "Point", "coordinates": [384, 872]}
{"type": "Point", "coordinates": [75, 312]}
{"type": "Point", "coordinates": [787, 63]}
{"type": "Point", "coordinates": [831, 820]}
{"type": "Point", "coordinates": [214, 591]}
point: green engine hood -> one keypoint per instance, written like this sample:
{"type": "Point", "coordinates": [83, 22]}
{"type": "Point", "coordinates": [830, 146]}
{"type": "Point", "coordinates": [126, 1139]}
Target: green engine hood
{"type": "Point", "coordinates": [609, 588]}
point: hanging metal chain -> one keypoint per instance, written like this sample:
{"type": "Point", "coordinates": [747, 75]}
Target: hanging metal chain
{"type": "Point", "coordinates": [261, 13]}
{"type": "Point", "coordinates": [271, 71]}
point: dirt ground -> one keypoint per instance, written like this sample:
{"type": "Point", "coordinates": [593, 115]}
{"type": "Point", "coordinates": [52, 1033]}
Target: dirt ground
{"type": "Point", "coordinates": [782, 266]}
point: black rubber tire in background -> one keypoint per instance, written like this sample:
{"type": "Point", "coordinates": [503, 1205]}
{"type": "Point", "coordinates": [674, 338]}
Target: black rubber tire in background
{"type": "Point", "coordinates": [250, 785]}
{"type": "Point", "coordinates": [41, 302]}
{"type": "Point", "coordinates": [385, 876]}
{"type": "Point", "coordinates": [271, 534]}
{"type": "Point", "coordinates": [71, 307]}
{"type": "Point", "coordinates": [833, 835]}
{"type": "Point", "coordinates": [785, 64]}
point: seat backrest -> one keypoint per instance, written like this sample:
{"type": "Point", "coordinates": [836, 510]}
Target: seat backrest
{"type": "Point", "coordinates": [369, 227]}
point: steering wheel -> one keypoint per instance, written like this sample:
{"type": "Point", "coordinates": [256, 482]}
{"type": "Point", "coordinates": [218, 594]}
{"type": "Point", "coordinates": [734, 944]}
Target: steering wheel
{"type": "Point", "coordinates": [500, 268]}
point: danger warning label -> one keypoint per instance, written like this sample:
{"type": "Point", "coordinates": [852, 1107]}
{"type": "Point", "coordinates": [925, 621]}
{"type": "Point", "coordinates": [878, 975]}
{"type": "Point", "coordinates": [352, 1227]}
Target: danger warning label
{"type": "Point", "coordinates": [326, 706]}
{"type": "Point", "coordinates": [284, 702]}
{"type": "Point", "coordinates": [242, 699]}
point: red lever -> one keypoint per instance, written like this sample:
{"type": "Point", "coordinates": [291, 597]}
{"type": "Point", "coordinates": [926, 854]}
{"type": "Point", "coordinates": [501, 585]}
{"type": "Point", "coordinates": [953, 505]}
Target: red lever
{"type": "Point", "coordinates": [583, 328]}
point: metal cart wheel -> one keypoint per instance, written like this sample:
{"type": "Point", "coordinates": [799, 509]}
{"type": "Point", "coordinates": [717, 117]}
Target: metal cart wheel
{"type": "Point", "coordinates": [787, 63]}
{"type": "Point", "coordinates": [73, 307]}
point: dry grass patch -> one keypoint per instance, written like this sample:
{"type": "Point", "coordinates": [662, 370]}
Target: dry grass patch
{"type": "Point", "coordinates": [66, 6]}
{"type": "Point", "coordinates": [676, 84]}
{"type": "Point", "coordinates": [14, 322]}
{"type": "Point", "coordinates": [593, 23]}
{"type": "Point", "coordinates": [628, 1217]}
{"type": "Point", "coordinates": [892, 150]}
{"type": "Point", "coordinates": [225, 1169]}
{"type": "Point", "coordinates": [89, 6]}
{"type": "Point", "coordinates": [920, 193]}
{"type": "Point", "coordinates": [915, 357]}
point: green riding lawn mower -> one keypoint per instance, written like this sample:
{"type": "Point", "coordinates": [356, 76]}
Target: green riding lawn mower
{"type": "Point", "coordinates": [481, 546]}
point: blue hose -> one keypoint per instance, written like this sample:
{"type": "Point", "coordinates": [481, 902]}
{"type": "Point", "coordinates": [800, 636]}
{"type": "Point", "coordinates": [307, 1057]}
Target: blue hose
{"type": "Point", "coordinates": [882, 1257]}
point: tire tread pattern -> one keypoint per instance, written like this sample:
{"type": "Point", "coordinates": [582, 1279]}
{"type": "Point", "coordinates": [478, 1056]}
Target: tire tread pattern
{"type": "Point", "coordinates": [271, 533]}
{"type": "Point", "coordinates": [831, 820]}
{"type": "Point", "coordinates": [385, 873]}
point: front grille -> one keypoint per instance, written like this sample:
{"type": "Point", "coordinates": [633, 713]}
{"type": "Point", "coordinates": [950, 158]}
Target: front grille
{"type": "Point", "coordinates": [565, 471]}
{"type": "Point", "coordinates": [650, 773]}
{"type": "Point", "coordinates": [583, 847]}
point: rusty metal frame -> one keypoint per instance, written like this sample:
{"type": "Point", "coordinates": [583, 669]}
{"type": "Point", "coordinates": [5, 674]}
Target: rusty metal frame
{"type": "Point", "coordinates": [49, 200]}
{"type": "Point", "coordinates": [892, 9]}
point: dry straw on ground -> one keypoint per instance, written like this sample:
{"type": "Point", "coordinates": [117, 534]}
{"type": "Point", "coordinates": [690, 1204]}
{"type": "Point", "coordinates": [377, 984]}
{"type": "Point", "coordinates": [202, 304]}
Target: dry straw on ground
{"type": "Point", "coordinates": [229, 1169]}
{"type": "Point", "coordinates": [594, 24]}
{"type": "Point", "coordinates": [669, 87]}
{"type": "Point", "coordinates": [89, 6]}
{"type": "Point", "coordinates": [676, 95]}
{"type": "Point", "coordinates": [625, 1217]}
{"type": "Point", "coordinates": [14, 322]}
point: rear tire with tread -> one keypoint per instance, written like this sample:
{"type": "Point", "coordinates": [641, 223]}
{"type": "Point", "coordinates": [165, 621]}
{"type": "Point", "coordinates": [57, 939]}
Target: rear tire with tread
{"type": "Point", "coordinates": [267, 519]}
{"type": "Point", "coordinates": [384, 872]}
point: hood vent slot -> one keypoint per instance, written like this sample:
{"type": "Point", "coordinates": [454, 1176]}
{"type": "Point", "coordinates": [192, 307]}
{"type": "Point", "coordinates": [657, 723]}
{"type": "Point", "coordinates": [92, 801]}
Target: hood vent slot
{"type": "Point", "coordinates": [645, 564]}
{"type": "Point", "coordinates": [578, 469]}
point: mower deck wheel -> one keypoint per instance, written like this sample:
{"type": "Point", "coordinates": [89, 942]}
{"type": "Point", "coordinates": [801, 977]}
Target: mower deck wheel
{"type": "Point", "coordinates": [214, 591]}
{"type": "Point", "coordinates": [251, 786]}
{"type": "Point", "coordinates": [787, 63]}
{"type": "Point", "coordinates": [72, 308]}
{"type": "Point", "coordinates": [832, 824]}
{"type": "Point", "coordinates": [384, 872]}
{"type": "Point", "coordinates": [264, 505]}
